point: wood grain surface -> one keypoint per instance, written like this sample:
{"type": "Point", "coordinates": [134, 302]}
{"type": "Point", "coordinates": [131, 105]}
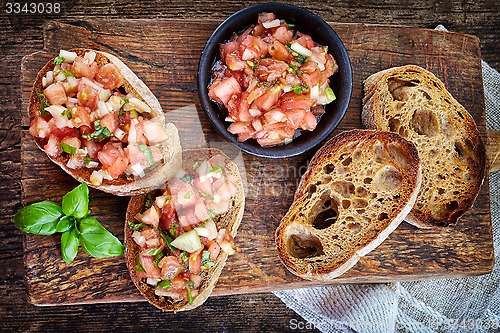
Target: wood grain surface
{"type": "Point", "coordinates": [150, 49]}
{"type": "Point", "coordinates": [258, 312]}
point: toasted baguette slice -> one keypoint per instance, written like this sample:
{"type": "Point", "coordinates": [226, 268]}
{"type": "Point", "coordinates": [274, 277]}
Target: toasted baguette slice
{"type": "Point", "coordinates": [170, 149]}
{"type": "Point", "coordinates": [357, 189]}
{"type": "Point", "coordinates": [411, 101]}
{"type": "Point", "coordinates": [230, 220]}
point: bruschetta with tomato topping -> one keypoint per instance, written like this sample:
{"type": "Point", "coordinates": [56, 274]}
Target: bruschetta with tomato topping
{"type": "Point", "coordinates": [178, 238]}
{"type": "Point", "coordinates": [101, 124]}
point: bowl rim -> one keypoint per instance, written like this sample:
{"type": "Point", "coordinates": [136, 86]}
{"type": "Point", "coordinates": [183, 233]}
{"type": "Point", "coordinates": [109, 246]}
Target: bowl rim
{"type": "Point", "coordinates": [210, 54]}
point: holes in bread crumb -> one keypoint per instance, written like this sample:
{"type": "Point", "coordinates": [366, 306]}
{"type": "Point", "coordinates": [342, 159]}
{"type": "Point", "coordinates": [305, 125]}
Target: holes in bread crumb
{"type": "Point", "coordinates": [401, 90]}
{"type": "Point", "coordinates": [304, 246]}
{"type": "Point", "coordinates": [424, 122]}
{"type": "Point", "coordinates": [346, 203]}
{"type": "Point", "coordinates": [354, 227]}
{"type": "Point", "coordinates": [347, 161]}
{"type": "Point", "coordinates": [359, 203]}
{"type": "Point", "coordinates": [329, 168]}
{"type": "Point", "coordinates": [362, 192]}
{"type": "Point", "coordinates": [399, 155]}
{"type": "Point", "coordinates": [394, 125]}
{"type": "Point", "coordinates": [324, 212]}
{"type": "Point", "coordinates": [346, 189]}
{"type": "Point", "coordinates": [451, 206]}
{"type": "Point", "coordinates": [367, 180]}
{"type": "Point", "coordinates": [387, 178]}
{"type": "Point", "coordinates": [383, 216]}
{"type": "Point", "coordinates": [311, 188]}
{"type": "Point", "coordinates": [440, 191]}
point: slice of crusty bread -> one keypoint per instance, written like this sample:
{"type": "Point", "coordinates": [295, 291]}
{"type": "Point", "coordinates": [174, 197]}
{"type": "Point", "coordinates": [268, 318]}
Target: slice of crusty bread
{"type": "Point", "coordinates": [357, 189]}
{"type": "Point", "coordinates": [171, 148]}
{"type": "Point", "coordinates": [411, 101]}
{"type": "Point", "coordinates": [229, 220]}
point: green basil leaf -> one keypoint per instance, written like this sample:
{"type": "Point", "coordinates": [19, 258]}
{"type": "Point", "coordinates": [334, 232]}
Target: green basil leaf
{"type": "Point", "coordinates": [65, 224]}
{"type": "Point", "coordinates": [167, 239]}
{"type": "Point", "coordinates": [165, 284]}
{"type": "Point", "coordinates": [67, 148]}
{"type": "Point", "coordinates": [135, 226]}
{"type": "Point", "coordinates": [40, 218]}
{"type": "Point", "coordinates": [190, 297]}
{"type": "Point", "coordinates": [43, 103]}
{"type": "Point", "coordinates": [59, 60]}
{"type": "Point", "coordinates": [76, 202]}
{"type": "Point", "coordinates": [138, 266]}
{"type": "Point", "coordinates": [155, 252]}
{"type": "Point", "coordinates": [69, 245]}
{"type": "Point", "coordinates": [205, 259]}
{"type": "Point", "coordinates": [97, 241]}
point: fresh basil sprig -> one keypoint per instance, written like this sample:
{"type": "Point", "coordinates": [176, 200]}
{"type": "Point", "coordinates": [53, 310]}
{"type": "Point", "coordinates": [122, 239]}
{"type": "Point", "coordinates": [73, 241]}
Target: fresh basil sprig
{"type": "Point", "coordinates": [72, 220]}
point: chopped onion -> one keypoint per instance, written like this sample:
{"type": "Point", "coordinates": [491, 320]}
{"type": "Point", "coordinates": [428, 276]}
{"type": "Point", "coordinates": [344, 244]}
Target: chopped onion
{"type": "Point", "coordinates": [300, 49]}
{"type": "Point", "coordinates": [227, 247]}
{"type": "Point", "coordinates": [132, 133]}
{"type": "Point", "coordinates": [138, 238]}
{"type": "Point", "coordinates": [60, 76]}
{"type": "Point", "coordinates": [102, 109]}
{"type": "Point", "coordinates": [164, 293]}
{"type": "Point", "coordinates": [119, 134]}
{"type": "Point", "coordinates": [287, 88]}
{"type": "Point", "coordinates": [287, 140]}
{"type": "Point", "coordinates": [151, 281]}
{"type": "Point", "coordinates": [138, 170]}
{"type": "Point", "coordinates": [89, 57]}
{"type": "Point", "coordinates": [72, 81]}
{"type": "Point", "coordinates": [97, 86]}
{"type": "Point", "coordinates": [180, 173]}
{"type": "Point", "coordinates": [314, 92]}
{"type": "Point", "coordinates": [68, 56]}
{"type": "Point", "coordinates": [209, 230]}
{"type": "Point", "coordinates": [139, 105]}
{"type": "Point", "coordinates": [229, 120]}
{"type": "Point", "coordinates": [57, 114]}
{"type": "Point", "coordinates": [271, 24]}
{"type": "Point", "coordinates": [96, 177]}
{"type": "Point", "coordinates": [103, 94]}
{"type": "Point", "coordinates": [48, 78]}
{"type": "Point", "coordinates": [254, 112]}
{"type": "Point", "coordinates": [72, 100]}
{"type": "Point", "coordinates": [257, 124]}
{"type": "Point", "coordinates": [92, 164]}
{"type": "Point", "coordinates": [160, 201]}
{"type": "Point", "coordinates": [115, 103]}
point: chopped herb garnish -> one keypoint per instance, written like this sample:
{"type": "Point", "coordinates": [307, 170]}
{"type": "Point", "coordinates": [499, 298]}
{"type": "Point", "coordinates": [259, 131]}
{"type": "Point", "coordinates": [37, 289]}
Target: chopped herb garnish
{"type": "Point", "coordinates": [217, 169]}
{"type": "Point", "coordinates": [133, 113]}
{"type": "Point", "coordinates": [155, 252]}
{"type": "Point", "coordinates": [296, 69]}
{"type": "Point", "coordinates": [165, 284]}
{"type": "Point", "coordinates": [99, 133]}
{"type": "Point", "coordinates": [272, 48]}
{"type": "Point", "coordinates": [211, 213]}
{"type": "Point", "coordinates": [190, 297]}
{"type": "Point", "coordinates": [299, 89]}
{"type": "Point", "coordinates": [67, 113]}
{"type": "Point", "coordinates": [43, 103]}
{"type": "Point", "coordinates": [124, 99]}
{"type": "Point", "coordinates": [188, 195]}
{"type": "Point", "coordinates": [191, 283]}
{"type": "Point", "coordinates": [59, 60]}
{"type": "Point", "coordinates": [196, 165]}
{"type": "Point", "coordinates": [67, 148]}
{"type": "Point", "coordinates": [67, 73]}
{"type": "Point", "coordinates": [138, 266]}
{"type": "Point", "coordinates": [167, 240]}
{"type": "Point", "coordinates": [148, 202]}
{"type": "Point", "coordinates": [184, 257]}
{"type": "Point", "coordinates": [255, 64]}
{"type": "Point", "coordinates": [122, 112]}
{"type": "Point", "coordinates": [135, 226]}
{"type": "Point", "coordinates": [147, 153]}
{"type": "Point", "coordinates": [187, 179]}
{"type": "Point", "coordinates": [291, 25]}
{"type": "Point", "coordinates": [205, 195]}
{"type": "Point", "coordinates": [172, 229]}
{"type": "Point", "coordinates": [205, 259]}
{"type": "Point", "coordinates": [158, 257]}
{"type": "Point", "coordinates": [266, 84]}
{"type": "Point", "coordinates": [87, 160]}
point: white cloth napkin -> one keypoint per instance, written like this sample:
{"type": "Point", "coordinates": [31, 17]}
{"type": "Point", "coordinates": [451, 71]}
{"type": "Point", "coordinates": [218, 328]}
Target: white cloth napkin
{"type": "Point", "coordinates": [450, 305]}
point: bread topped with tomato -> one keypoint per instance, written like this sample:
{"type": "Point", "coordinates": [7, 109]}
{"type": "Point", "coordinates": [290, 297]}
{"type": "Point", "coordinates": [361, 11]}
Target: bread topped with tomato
{"type": "Point", "coordinates": [101, 124]}
{"type": "Point", "coordinates": [178, 238]}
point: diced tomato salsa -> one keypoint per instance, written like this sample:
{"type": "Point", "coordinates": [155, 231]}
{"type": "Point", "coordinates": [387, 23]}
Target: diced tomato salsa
{"type": "Point", "coordinates": [87, 116]}
{"type": "Point", "coordinates": [272, 80]}
{"type": "Point", "coordinates": [177, 237]}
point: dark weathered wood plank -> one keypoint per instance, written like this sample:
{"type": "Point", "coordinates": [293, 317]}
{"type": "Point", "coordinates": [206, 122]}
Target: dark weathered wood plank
{"type": "Point", "coordinates": [170, 72]}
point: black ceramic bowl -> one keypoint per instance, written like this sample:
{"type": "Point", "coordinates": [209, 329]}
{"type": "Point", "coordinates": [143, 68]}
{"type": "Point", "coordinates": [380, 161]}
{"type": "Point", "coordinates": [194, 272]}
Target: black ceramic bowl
{"type": "Point", "coordinates": [321, 33]}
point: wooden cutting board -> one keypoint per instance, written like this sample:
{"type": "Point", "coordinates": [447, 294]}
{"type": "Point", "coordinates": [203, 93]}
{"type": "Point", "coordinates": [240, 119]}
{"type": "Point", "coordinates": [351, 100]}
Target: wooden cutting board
{"type": "Point", "coordinates": [164, 54]}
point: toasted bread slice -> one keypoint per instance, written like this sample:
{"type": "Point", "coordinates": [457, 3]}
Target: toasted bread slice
{"type": "Point", "coordinates": [411, 101]}
{"type": "Point", "coordinates": [230, 220]}
{"type": "Point", "coordinates": [357, 189]}
{"type": "Point", "coordinates": [123, 186]}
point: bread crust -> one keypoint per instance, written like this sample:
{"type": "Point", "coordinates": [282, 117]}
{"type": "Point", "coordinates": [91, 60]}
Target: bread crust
{"type": "Point", "coordinates": [367, 182]}
{"type": "Point", "coordinates": [413, 102]}
{"type": "Point", "coordinates": [230, 221]}
{"type": "Point", "coordinates": [171, 149]}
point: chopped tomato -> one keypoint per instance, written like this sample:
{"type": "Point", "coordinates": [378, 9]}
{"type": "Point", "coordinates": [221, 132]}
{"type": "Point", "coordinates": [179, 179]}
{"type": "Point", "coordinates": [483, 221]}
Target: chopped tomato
{"type": "Point", "coordinates": [279, 51]}
{"type": "Point", "coordinates": [110, 76]}
{"type": "Point", "coordinates": [82, 68]}
{"type": "Point", "coordinates": [56, 94]}
{"type": "Point", "coordinates": [292, 101]}
{"type": "Point", "coordinates": [52, 147]}
{"type": "Point", "coordinates": [108, 154]}
{"type": "Point", "coordinates": [194, 262]}
{"type": "Point", "coordinates": [39, 128]}
{"type": "Point", "coordinates": [283, 35]}
{"type": "Point", "coordinates": [305, 40]}
{"type": "Point", "coordinates": [147, 263]}
{"type": "Point", "coordinates": [80, 117]}
{"type": "Point", "coordinates": [214, 250]}
{"type": "Point", "coordinates": [253, 48]}
{"type": "Point", "coordinates": [170, 267]}
{"type": "Point", "coordinates": [223, 90]}
{"type": "Point", "coordinates": [110, 121]}
{"type": "Point", "coordinates": [270, 69]}
{"type": "Point", "coordinates": [87, 96]}
{"type": "Point", "coordinates": [310, 122]}
{"type": "Point", "coordinates": [269, 99]}
{"type": "Point", "coordinates": [92, 148]}
{"type": "Point", "coordinates": [61, 132]}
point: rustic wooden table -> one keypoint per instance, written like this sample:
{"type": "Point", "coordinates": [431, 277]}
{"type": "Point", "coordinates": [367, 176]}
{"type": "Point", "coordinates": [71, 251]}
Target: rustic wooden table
{"type": "Point", "coordinates": [22, 35]}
